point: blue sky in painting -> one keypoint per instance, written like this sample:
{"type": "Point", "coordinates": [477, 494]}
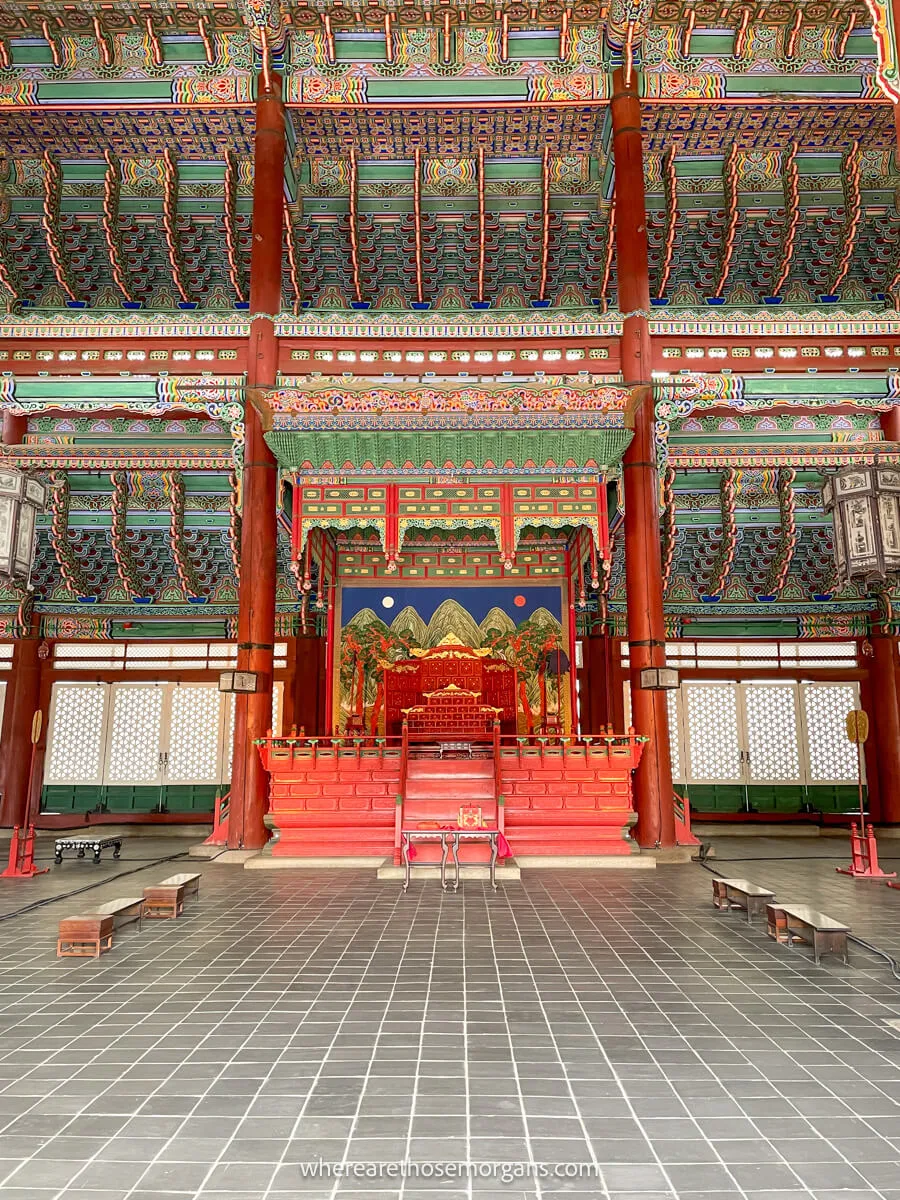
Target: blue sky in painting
{"type": "Point", "coordinates": [477, 601]}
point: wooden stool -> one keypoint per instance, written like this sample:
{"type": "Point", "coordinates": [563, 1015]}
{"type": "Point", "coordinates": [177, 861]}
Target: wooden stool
{"type": "Point", "coordinates": [164, 900]}
{"type": "Point", "coordinates": [87, 936]}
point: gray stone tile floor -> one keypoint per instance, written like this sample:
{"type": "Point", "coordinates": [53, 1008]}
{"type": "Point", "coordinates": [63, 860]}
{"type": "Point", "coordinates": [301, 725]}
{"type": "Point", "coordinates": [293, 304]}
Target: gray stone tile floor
{"type": "Point", "coordinates": [603, 1034]}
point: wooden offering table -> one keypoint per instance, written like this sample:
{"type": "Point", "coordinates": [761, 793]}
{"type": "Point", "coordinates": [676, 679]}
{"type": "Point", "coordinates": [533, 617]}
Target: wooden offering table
{"type": "Point", "coordinates": [411, 836]}
{"type": "Point", "coordinates": [491, 836]}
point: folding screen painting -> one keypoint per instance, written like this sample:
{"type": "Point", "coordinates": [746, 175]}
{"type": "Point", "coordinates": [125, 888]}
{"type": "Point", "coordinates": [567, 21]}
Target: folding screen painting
{"type": "Point", "coordinates": [506, 645]}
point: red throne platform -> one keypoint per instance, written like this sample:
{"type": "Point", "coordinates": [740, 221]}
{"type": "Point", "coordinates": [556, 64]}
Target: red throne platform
{"type": "Point", "coordinates": [349, 796]}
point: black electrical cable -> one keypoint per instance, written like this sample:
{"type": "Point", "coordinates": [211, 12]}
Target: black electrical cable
{"type": "Point", "coordinates": [892, 962]}
{"type": "Point", "coordinates": [851, 937]}
{"type": "Point", "coordinates": [794, 858]}
{"type": "Point", "coordinates": [90, 886]}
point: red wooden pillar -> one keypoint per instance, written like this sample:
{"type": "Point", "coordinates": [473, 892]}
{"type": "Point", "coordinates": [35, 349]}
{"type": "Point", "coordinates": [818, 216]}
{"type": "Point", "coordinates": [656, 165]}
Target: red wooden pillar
{"type": "Point", "coordinates": [23, 699]}
{"type": "Point", "coordinates": [887, 745]}
{"type": "Point", "coordinates": [23, 695]}
{"type": "Point", "coordinates": [890, 420]}
{"type": "Point", "coordinates": [15, 427]}
{"type": "Point", "coordinates": [870, 750]}
{"type": "Point", "coordinates": [601, 685]}
{"type": "Point", "coordinates": [256, 613]}
{"type": "Point", "coordinates": [654, 800]}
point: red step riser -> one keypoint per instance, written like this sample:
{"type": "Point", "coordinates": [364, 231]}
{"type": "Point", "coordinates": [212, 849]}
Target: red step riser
{"type": "Point", "coordinates": [435, 771]}
{"type": "Point", "coordinates": [440, 791]}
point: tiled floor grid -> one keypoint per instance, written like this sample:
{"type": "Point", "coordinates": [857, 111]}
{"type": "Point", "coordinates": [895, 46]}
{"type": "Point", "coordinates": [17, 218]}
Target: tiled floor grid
{"type": "Point", "coordinates": [608, 1025]}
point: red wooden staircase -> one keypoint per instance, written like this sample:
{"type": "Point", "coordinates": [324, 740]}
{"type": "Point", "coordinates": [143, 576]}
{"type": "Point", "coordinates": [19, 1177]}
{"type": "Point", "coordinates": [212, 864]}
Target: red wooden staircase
{"type": "Point", "coordinates": [437, 788]}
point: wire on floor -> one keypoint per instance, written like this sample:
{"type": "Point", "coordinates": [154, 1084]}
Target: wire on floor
{"type": "Point", "coordinates": [701, 861]}
{"type": "Point", "coordinates": [148, 863]}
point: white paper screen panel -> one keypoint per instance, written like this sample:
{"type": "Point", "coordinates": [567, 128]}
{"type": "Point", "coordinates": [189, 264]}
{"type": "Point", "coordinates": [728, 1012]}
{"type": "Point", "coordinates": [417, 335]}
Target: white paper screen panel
{"type": "Point", "coordinates": [711, 716]}
{"type": "Point", "coordinates": [277, 702]}
{"type": "Point", "coordinates": [134, 739]}
{"type": "Point", "coordinates": [151, 656]}
{"type": "Point", "coordinates": [76, 734]}
{"type": "Point", "coordinates": [773, 742]}
{"type": "Point", "coordinates": [674, 733]}
{"type": "Point", "coordinates": [832, 758]}
{"type": "Point", "coordinates": [195, 734]}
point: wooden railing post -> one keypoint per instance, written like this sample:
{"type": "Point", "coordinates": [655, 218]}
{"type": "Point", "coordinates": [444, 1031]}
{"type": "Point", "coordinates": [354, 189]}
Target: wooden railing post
{"type": "Point", "coordinates": [398, 828]}
{"type": "Point", "coordinates": [497, 775]}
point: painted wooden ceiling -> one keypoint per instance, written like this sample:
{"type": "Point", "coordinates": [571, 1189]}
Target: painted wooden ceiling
{"type": "Point", "coordinates": [126, 138]}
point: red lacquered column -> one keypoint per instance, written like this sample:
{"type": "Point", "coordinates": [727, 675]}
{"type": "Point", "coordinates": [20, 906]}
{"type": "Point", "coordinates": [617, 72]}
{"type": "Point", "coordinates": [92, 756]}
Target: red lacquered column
{"type": "Point", "coordinates": [256, 614]}
{"type": "Point", "coordinates": [887, 743]}
{"type": "Point", "coordinates": [23, 699]}
{"type": "Point", "coordinates": [23, 694]}
{"type": "Point", "coordinates": [643, 571]}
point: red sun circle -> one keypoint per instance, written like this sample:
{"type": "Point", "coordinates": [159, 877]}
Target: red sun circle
{"type": "Point", "coordinates": [519, 601]}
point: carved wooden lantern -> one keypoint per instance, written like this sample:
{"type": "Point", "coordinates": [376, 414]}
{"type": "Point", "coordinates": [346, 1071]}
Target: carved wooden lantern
{"type": "Point", "coordinates": [22, 497]}
{"type": "Point", "coordinates": [864, 503]}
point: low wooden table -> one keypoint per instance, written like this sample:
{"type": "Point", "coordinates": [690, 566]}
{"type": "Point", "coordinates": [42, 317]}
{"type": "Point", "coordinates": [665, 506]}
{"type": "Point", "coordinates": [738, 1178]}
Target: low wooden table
{"type": "Point", "coordinates": [729, 894]}
{"type": "Point", "coordinates": [164, 900]}
{"type": "Point", "coordinates": [474, 835]}
{"type": "Point", "coordinates": [798, 922]}
{"type": "Point", "coordinates": [87, 936]}
{"type": "Point", "coordinates": [82, 845]}
{"type": "Point", "coordinates": [123, 911]}
{"type": "Point", "coordinates": [408, 836]}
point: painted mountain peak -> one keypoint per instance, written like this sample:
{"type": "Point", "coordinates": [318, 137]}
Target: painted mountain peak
{"type": "Point", "coordinates": [408, 621]}
{"type": "Point", "coordinates": [451, 617]}
{"type": "Point", "coordinates": [497, 620]}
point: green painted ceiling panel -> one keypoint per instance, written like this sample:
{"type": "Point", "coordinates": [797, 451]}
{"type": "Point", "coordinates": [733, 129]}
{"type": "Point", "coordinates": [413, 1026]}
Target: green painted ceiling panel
{"type": "Point", "coordinates": [447, 89]}
{"type": "Point", "coordinates": [294, 448]}
{"type": "Point", "coordinates": [90, 389]}
{"type": "Point", "coordinates": [812, 386]}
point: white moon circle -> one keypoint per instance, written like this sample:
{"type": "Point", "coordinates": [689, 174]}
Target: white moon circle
{"type": "Point", "coordinates": [387, 601]}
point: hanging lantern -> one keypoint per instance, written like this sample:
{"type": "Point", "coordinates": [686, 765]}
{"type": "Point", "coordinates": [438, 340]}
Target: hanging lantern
{"type": "Point", "coordinates": [22, 497]}
{"type": "Point", "coordinates": [659, 679]}
{"type": "Point", "coordinates": [864, 503]}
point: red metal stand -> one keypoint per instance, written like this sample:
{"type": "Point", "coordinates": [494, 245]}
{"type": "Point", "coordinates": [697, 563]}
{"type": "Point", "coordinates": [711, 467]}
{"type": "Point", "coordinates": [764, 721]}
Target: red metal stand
{"type": "Point", "coordinates": [219, 835]}
{"type": "Point", "coordinates": [21, 856]}
{"type": "Point", "coordinates": [683, 835]}
{"type": "Point", "coordinates": [21, 848]}
{"type": "Point", "coordinates": [863, 848]}
{"type": "Point", "coordinates": [864, 856]}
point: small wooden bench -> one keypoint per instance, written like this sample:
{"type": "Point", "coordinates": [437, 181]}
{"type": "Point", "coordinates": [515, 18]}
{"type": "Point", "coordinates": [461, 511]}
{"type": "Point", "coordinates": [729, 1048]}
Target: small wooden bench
{"type": "Point", "coordinates": [87, 936]}
{"type": "Point", "coordinates": [123, 911]}
{"type": "Point", "coordinates": [163, 900]}
{"type": "Point", "coordinates": [789, 923]}
{"type": "Point", "coordinates": [729, 894]}
{"type": "Point", "coordinates": [190, 883]}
